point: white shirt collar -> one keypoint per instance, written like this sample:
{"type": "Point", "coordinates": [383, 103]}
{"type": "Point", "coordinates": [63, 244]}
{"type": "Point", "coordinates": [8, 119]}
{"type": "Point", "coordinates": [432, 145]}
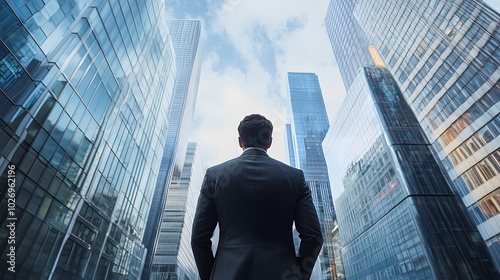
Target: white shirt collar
{"type": "Point", "coordinates": [254, 148]}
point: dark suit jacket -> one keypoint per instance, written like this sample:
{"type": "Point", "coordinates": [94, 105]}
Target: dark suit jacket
{"type": "Point", "coordinates": [255, 199]}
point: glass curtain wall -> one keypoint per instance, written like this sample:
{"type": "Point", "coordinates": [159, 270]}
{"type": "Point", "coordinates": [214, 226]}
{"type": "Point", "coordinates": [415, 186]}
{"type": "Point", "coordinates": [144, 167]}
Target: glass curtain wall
{"type": "Point", "coordinates": [444, 55]}
{"type": "Point", "coordinates": [397, 216]}
{"type": "Point", "coordinates": [83, 92]}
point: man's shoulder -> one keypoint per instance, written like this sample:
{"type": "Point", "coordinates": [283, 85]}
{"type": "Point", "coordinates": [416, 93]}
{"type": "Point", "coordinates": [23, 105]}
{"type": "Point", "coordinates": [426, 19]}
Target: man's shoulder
{"type": "Point", "coordinates": [228, 164]}
{"type": "Point", "coordinates": [233, 164]}
{"type": "Point", "coordinates": [285, 167]}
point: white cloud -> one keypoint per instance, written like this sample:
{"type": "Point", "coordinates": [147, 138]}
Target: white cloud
{"type": "Point", "coordinates": [225, 97]}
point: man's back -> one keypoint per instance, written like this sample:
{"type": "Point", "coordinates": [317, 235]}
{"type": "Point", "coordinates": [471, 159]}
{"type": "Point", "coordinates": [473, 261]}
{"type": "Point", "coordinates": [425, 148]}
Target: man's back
{"type": "Point", "coordinates": [255, 199]}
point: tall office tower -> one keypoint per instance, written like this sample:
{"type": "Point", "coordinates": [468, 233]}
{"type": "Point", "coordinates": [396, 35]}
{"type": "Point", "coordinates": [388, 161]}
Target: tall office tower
{"type": "Point", "coordinates": [173, 257]}
{"type": "Point", "coordinates": [185, 36]}
{"type": "Point", "coordinates": [397, 216]}
{"type": "Point", "coordinates": [310, 124]}
{"type": "Point", "coordinates": [349, 42]}
{"type": "Point", "coordinates": [445, 57]}
{"type": "Point", "coordinates": [84, 93]}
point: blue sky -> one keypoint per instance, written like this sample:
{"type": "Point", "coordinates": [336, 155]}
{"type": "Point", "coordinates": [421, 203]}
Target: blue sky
{"type": "Point", "coordinates": [495, 4]}
{"type": "Point", "coordinates": [248, 46]}
{"type": "Point", "coordinates": [247, 49]}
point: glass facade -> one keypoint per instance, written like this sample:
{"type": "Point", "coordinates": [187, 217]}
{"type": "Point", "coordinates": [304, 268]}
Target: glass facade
{"type": "Point", "coordinates": [290, 145]}
{"type": "Point", "coordinates": [349, 43]}
{"type": "Point", "coordinates": [444, 55]}
{"type": "Point", "coordinates": [83, 89]}
{"type": "Point", "coordinates": [310, 125]}
{"type": "Point", "coordinates": [398, 218]}
{"type": "Point", "coordinates": [185, 36]}
{"type": "Point", "coordinates": [173, 258]}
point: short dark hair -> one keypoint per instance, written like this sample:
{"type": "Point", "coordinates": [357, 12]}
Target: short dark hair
{"type": "Point", "coordinates": [255, 131]}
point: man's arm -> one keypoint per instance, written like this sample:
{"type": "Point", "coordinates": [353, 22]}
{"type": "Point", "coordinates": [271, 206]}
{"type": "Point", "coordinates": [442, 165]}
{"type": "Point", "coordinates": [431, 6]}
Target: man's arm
{"type": "Point", "coordinates": [308, 227]}
{"type": "Point", "coordinates": [205, 221]}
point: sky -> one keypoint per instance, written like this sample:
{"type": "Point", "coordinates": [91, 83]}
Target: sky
{"type": "Point", "coordinates": [495, 4]}
{"type": "Point", "coordinates": [247, 48]}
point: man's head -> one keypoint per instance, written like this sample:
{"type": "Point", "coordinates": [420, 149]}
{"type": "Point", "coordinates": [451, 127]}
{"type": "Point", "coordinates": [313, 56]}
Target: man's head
{"type": "Point", "coordinates": [255, 131]}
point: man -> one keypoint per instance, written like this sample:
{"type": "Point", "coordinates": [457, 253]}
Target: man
{"type": "Point", "coordinates": [255, 199]}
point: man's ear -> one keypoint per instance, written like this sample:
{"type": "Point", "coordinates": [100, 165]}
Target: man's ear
{"type": "Point", "coordinates": [270, 142]}
{"type": "Point", "coordinates": [240, 142]}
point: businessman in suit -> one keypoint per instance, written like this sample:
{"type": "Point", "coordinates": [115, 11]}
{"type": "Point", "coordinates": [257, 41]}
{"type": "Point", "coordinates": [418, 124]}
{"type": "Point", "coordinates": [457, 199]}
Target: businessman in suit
{"type": "Point", "coordinates": [255, 200]}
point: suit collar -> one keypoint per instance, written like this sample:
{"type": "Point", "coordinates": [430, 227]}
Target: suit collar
{"type": "Point", "coordinates": [254, 151]}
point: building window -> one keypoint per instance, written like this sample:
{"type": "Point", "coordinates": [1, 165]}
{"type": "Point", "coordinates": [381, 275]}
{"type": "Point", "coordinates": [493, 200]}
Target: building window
{"type": "Point", "coordinates": [421, 49]}
{"type": "Point", "coordinates": [483, 171]}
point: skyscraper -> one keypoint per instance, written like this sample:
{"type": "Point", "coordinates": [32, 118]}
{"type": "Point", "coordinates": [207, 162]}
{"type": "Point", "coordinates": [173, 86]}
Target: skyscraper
{"type": "Point", "coordinates": [349, 42]}
{"type": "Point", "coordinates": [173, 258]}
{"type": "Point", "coordinates": [185, 36]}
{"type": "Point", "coordinates": [444, 55]}
{"type": "Point", "coordinates": [397, 216]}
{"type": "Point", "coordinates": [84, 93]}
{"type": "Point", "coordinates": [310, 124]}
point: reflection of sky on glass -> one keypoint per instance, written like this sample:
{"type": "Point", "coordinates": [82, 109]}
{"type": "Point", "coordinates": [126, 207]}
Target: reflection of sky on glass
{"type": "Point", "coordinates": [341, 148]}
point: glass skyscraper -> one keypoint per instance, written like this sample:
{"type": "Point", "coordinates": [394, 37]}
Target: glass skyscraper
{"type": "Point", "coordinates": [84, 93]}
{"type": "Point", "coordinates": [445, 57]}
{"type": "Point", "coordinates": [173, 258]}
{"type": "Point", "coordinates": [310, 125]}
{"type": "Point", "coordinates": [398, 218]}
{"type": "Point", "coordinates": [185, 36]}
{"type": "Point", "coordinates": [349, 42]}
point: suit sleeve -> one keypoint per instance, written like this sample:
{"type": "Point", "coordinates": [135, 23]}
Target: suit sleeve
{"type": "Point", "coordinates": [308, 227]}
{"type": "Point", "coordinates": [204, 223]}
